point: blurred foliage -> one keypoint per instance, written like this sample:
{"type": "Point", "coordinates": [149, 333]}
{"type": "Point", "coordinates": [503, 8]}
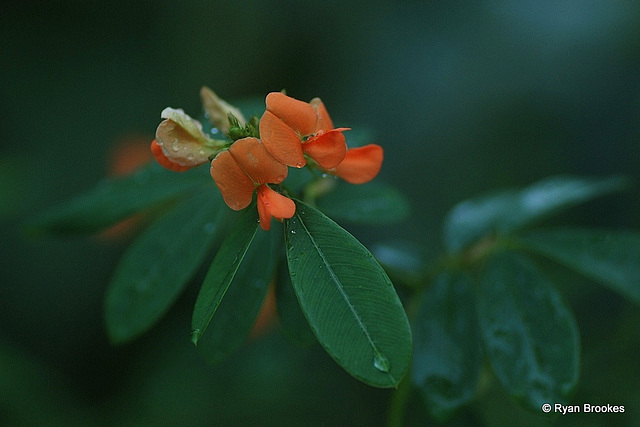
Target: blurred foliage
{"type": "Point", "coordinates": [465, 98]}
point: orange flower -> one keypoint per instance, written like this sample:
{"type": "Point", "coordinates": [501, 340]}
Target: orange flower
{"type": "Point", "coordinates": [161, 158]}
{"type": "Point", "coordinates": [360, 164]}
{"type": "Point", "coordinates": [245, 166]}
{"type": "Point", "coordinates": [291, 129]}
{"type": "Point", "coordinates": [273, 204]}
{"type": "Point", "coordinates": [180, 143]}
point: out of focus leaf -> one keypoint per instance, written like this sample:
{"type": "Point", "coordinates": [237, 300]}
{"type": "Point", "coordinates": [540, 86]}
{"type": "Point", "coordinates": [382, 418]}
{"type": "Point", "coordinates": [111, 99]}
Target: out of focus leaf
{"type": "Point", "coordinates": [610, 257]}
{"type": "Point", "coordinates": [446, 353]}
{"type": "Point", "coordinates": [402, 260]}
{"type": "Point", "coordinates": [290, 316]}
{"type": "Point", "coordinates": [223, 271]}
{"type": "Point", "coordinates": [508, 211]}
{"type": "Point", "coordinates": [114, 199]}
{"type": "Point", "coordinates": [157, 266]}
{"type": "Point", "coordinates": [529, 335]}
{"type": "Point", "coordinates": [225, 324]}
{"type": "Point", "coordinates": [347, 298]}
{"type": "Point", "coordinates": [372, 203]}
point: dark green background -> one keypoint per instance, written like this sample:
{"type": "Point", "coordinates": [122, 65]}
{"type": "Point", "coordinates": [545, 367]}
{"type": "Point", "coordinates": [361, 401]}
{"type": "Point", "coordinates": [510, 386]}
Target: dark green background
{"type": "Point", "coordinates": [464, 97]}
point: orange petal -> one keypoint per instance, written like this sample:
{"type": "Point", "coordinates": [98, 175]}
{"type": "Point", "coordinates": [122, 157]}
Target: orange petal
{"type": "Point", "coordinates": [324, 121]}
{"type": "Point", "coordinates": [158, 153]}
{"type": "Point", "coordinates": [273, 204]}
{"type": "Point", "coordinates": [298, 115]}
{"type": "Point", "coordinates": [180, 146]}
{"type": "Point", "coordinates": [360, 164]}
{"type": "Point", "coordinates": [281, 141]}
{"type": "Point", "coordinates": [254, 159]}
{"type": "Point", "coordinates": [234, 184]}
{"type": "Point", "coordinates": [327, 148]}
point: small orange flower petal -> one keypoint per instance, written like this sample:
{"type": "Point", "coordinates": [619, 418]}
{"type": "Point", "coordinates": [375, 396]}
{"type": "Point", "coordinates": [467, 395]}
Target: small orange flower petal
{"type": "Point", "coordinates": [273, 204]}
{"type": "Point", "coordinates": [158, 153]}
{"type": "Point", "coordinates": [326, 148]}
{"type": "Point", "coordinates": [360, 164]}
{"type": "Point", "coordinates": [324, 121]}
{"type": "Point", "coordinates": [298, 115]}
{"type": "Point", "coordinates": [254, 159]}
{"type": "Point", "coordinates": [281, 141]}
{"type": "Point", "coordinates": [234, 184]}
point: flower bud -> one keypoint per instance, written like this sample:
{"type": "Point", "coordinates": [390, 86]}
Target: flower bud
{"type": "Point", "coordinates": [218, 110]}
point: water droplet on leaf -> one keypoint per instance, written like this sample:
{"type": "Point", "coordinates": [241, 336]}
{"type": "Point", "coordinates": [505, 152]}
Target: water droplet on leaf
{"type": "Point", "coordinates": [381, 363]}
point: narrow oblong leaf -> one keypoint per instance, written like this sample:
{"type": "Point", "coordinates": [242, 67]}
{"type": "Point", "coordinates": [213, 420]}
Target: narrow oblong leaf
{"type": "Point", "coordinates": [529, 335]}
{"type": "Point", "coordinates": [511, 210]}
{"type": "Point", "coordinates": [446, 345]}
{"type": "Point", "coordinates": [114, 199]}
{"type": "Point", "coordinates": [610, 257]}
{"type": "Point", "coordinates": [233, 316]}
{"type": "Point", "coordinates": [347, 298]}
{"type": "Point", "coordinates": [223, 271]}
{"type": "Point", "coordinates": [372, 203]}
{"type": "Point", "coordinates": [290, 316]}
{"type": "Point", "coordinates": [158, 264]}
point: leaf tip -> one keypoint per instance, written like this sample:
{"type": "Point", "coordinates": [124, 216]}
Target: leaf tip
{"type": "Point", "coordinates": [195, 336]}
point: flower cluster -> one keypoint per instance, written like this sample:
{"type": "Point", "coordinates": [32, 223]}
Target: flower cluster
{"type": "Point", "coordinates": [256, 156]}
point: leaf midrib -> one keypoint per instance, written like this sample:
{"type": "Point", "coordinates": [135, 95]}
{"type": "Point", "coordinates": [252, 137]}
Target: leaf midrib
{"type": "Point", "coordinates": [345, 297]}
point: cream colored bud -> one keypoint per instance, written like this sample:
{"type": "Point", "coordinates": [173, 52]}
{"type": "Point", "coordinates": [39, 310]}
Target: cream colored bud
{"type": "Point", "coordinates": [192, 126]}
{"type": "Point", "coordinates": [218, 110]}
{"type": "Point", "coordinates": [181, 146]}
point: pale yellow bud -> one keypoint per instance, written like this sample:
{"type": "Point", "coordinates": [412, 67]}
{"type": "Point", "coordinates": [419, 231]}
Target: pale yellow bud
{"type": "Point", "coordinates": [182, 140]}
{"type": "Point", "coordinates": [218, 110]}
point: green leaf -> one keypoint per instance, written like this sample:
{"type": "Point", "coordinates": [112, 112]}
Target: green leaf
{"type": "Point", "coordinates": [529, 335]}
{"type": "Point", "coordinates": [234, 288]}
{"type": "Point", "coordinates": [511, 210]}
{"type": "Point", "coordinates": [446, 353]}
{"type": "Point", "coordinates": [610, 257]}
{"type": "Point", "coordinates": [372, 203]}
{"type": "Point", "coordinates": [291, 319]}
{"type": "Point", "coordinates": [114, 199]}
{"type": "Point", "coordinates": [159, 263]}
{"type": "Point", "coordinates": [347, 299]}
{"type": "Point", "coordinates": [223, 271]}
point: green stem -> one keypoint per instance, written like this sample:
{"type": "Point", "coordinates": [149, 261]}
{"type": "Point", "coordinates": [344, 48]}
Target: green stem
{"type": "Point", "coordinates": [399, 400]}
